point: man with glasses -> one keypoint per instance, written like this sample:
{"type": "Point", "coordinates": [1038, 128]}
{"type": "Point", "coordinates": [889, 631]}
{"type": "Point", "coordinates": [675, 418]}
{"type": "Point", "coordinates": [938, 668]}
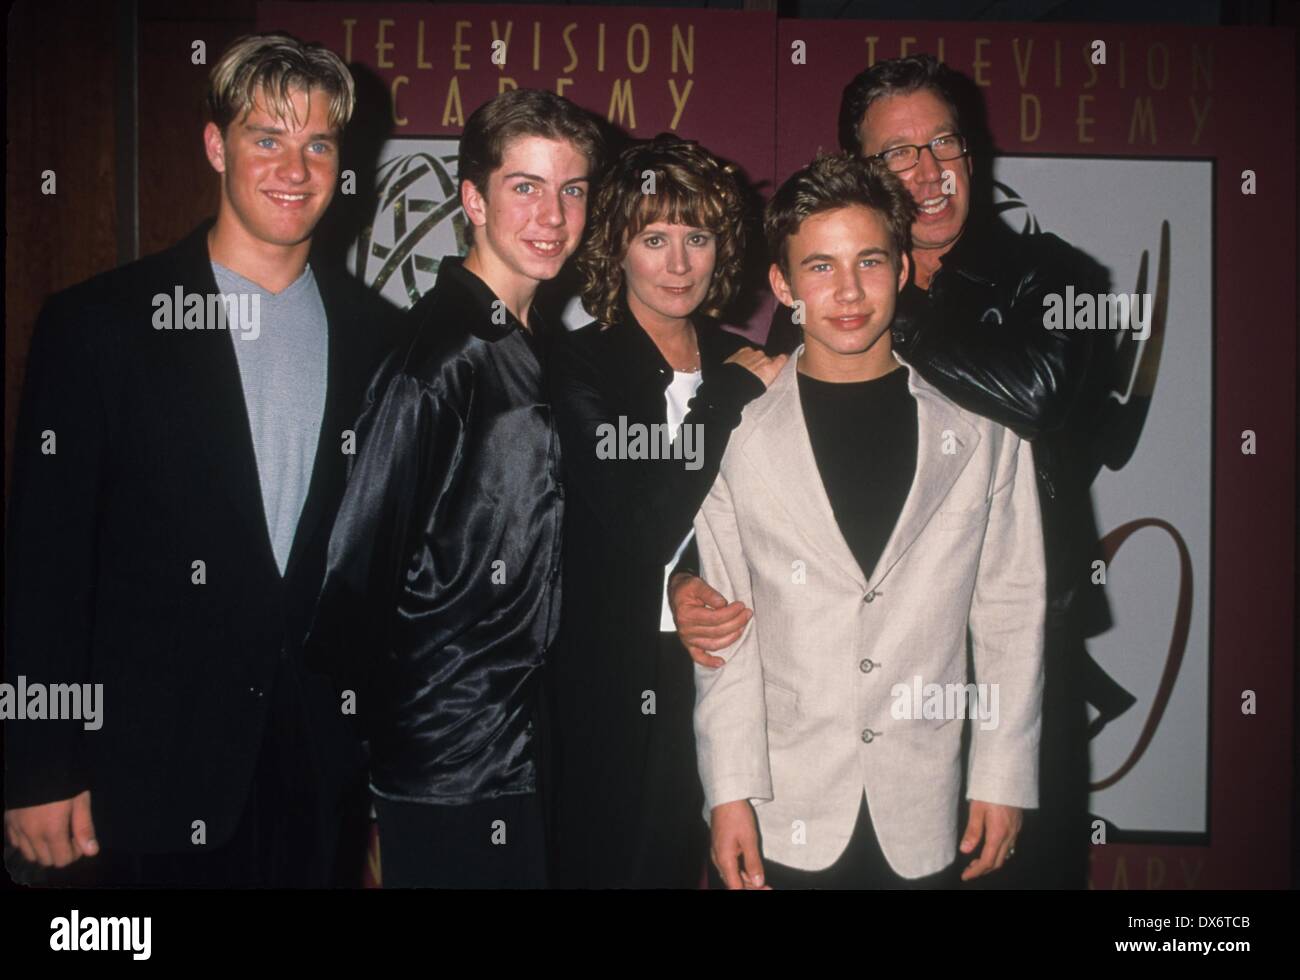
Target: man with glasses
{"type": "Point", "coordinates": [971, 323]}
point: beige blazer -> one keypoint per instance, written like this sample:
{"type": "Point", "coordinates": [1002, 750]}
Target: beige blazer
{"type": "Point", "coordinates": [816, 703]}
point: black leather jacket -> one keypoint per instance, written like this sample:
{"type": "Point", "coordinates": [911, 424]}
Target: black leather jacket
{"type": "Point", "coordinates": [977, 335]}
{"type": "Point", "coordinates": [442, 586]}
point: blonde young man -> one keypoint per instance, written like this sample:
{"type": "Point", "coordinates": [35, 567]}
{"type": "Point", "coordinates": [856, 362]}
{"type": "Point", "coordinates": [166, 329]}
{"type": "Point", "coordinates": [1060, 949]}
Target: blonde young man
{"type": "Point", "coordinates": [166, 552]}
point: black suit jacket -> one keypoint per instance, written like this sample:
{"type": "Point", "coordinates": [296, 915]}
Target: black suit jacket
{"type": "Point", "coordinates": [154, 470]}
{"type": "Point", "coordinates": [624, 522]}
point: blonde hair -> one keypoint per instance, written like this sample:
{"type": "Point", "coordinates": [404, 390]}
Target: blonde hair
{"type": "Point", "coordinates": [271, 67]}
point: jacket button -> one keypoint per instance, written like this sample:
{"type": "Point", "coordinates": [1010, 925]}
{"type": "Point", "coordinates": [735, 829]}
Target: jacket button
{"type": "Point", "coordinates": [868, 735]}
{"type": "Point", "coordinates": [255, 692]}
{"type": "Point", "coordinates": [866, 666]}
{"type": "Point", "coordinates": [870, 596]}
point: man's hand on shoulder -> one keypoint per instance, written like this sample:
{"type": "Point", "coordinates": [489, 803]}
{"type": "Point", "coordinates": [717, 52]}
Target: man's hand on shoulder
{"type": "Point", "coordinates": [705, 621]}
{"type": "Point", "coordinates": [53, 834]}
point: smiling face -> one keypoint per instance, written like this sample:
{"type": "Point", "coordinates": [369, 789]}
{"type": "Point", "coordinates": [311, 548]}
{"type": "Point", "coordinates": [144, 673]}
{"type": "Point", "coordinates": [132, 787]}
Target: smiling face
{"type": "Point", "coordinates": [917, 118]}
{"type": "Point", "coordinates": [668, 269]}
{"type": "Point", "coordinates": [531, 218]}
{"type": "Point", "coordinates": [277, 177]}
{"type": "Point", "coordinates": [844, 267]}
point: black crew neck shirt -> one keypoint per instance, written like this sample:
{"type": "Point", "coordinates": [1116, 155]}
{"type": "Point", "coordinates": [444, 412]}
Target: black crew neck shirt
{"type": "Point", "coordinates": [864, 438]}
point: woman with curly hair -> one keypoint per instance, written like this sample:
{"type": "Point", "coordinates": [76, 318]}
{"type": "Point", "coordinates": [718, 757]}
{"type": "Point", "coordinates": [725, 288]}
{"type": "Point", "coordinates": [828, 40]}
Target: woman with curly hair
{"type": "Point", "coordinates": [645, 399]}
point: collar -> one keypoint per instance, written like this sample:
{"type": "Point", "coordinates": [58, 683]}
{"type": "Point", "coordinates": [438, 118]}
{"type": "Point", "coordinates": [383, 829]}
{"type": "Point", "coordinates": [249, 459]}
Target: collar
{"type": "Point", "coordinates": [468, 290]}
{"type": "Point", "coordinates": [634, 347]}
{"type": "Point", "coordinates": [979, 254]}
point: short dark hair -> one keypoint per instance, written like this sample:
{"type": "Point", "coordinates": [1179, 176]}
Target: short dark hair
{"type": "Point", "coordinates": [830, 182]}
{"type": "Point", "coordinates": [523, 112]}
{"type": "Point", "coordinates": [692, 187]}
{"type": "Point", "coordinates": [896, 76]}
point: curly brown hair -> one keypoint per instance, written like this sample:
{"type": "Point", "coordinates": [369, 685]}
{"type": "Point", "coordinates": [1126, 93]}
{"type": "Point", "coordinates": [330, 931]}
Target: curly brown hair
{"type": "Point", "coordinates": [691, 187]}
{"type": "Point", "coordinates": [830, 182]}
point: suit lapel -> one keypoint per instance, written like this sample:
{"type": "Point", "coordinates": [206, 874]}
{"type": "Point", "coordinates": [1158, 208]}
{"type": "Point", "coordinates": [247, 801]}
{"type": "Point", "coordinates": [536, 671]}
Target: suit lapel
{"type": "Point", "coordinates": [209, 373]}
{"type": "Point", "coordinates": [783, 454]}
{"type": "Point", "coordinates": [945, 443]}
{"type": "Point", "coordinates": [783, 457]}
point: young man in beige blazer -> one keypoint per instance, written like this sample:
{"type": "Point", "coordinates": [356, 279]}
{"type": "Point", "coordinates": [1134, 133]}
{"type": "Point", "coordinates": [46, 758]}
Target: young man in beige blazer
{"type": "Point", "coordinates": [868, 522]}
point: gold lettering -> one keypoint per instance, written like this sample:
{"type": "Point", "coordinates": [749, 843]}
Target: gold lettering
{"type": "Point", "coordinates": [1187, 872]}
{"type": "Point", "coordinates": [419, 48]}
{"type": "Point", "coordinates": [348, 24]}
{"type": "Point", "coordinates": [1122, 47]}
{"type": "Point", "coordinates": [561, 84]}
{"type": "Point", "coordinates": [381, 45]}
{"type": "Point", "coordinates": [1083, 120]}
{"type": "Point", "coordinates": [687, 48]}
{"type": "Point", "coordinates": [399, 80]}
{"type": "Point", "coordinates": [573, 52]}
{"type": "Point", "coordinates": [645, 48]}
{"type": "Point", "coordinates": [1155, 873]}
{"type": "Point", "coordinates": [1202, 62]}
{"type": "Point", "coordinates": [1120, 880]}
{"type": "Point", "coordinates": [537, 45]}
{"type": "Point", "coordinates": [871, 49]}
{"type": "Point", "coordinates": [1022, 67]}
{"type": "Point", "coordinates": [1029, 101]}
{"type": "Point", "coordinates": [506, 82]}
{"type": "Point", "coordinates": [1087, 63]}
{"type": "Point", "coordinates": [454, 116]}
{"type": "Point", "coordinates": [979, 64]}
{"type": "Point", "coordinates": [1144, 119]}
{"type": "Point", "coordinates": [939, 55]}
{"type": "Point", "coordinates": [620, 103]}
{"type": "Point", "coordinates": [905, 46]}
{"type": "Point", "coordinates": [1163, 49]}
{"type": "Point", "coordinates": [457, 62]}
{"type": "Point", "coordinates": [1199, 117]}
{"type": "Point", "coordinates": [600, 46]}
{"type": "Point", "coordinates": [679, 104]}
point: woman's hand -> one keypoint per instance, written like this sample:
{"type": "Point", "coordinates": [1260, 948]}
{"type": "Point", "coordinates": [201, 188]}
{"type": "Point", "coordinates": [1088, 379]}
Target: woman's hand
{"type": "Point", "coordinates": [759, 364]}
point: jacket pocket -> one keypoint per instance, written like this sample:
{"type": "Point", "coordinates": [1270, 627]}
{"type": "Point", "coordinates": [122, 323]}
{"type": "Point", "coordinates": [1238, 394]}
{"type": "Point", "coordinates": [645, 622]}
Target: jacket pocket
{"type": "Point", "coordinates": [963, 517]}
{"type": "Point", "coordinates": [782, 705]}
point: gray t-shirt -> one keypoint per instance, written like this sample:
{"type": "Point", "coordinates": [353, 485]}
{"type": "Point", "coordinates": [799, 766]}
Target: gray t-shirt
{"type": "Point", "coordinates": [283, 358]}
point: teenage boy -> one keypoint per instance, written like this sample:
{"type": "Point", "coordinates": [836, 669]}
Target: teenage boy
{"type": "Point", "coordinates": [176, 468]}
{"type": "Point", "coordinates": [442, 590]}
{"type": "Point", "coordinates": [868, 522]}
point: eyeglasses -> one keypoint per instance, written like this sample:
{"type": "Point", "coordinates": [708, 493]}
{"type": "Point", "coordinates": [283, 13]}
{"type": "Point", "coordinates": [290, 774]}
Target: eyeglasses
{"type": "Point", "coordinates": [949, 146]}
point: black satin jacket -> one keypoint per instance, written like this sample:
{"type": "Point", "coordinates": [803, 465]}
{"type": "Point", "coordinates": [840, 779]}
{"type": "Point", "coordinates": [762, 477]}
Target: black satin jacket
{"type": "Point", "coordinates": [442, 588]}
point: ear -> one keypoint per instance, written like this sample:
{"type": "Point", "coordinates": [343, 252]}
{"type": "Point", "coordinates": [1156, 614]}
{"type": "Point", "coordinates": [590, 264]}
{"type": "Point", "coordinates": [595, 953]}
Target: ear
{"type": "Point", "coordinates": [474, 203]}
{"type": "Point", "coordinates": [904, 268]}
{"type": "Point", "coordinates": [779, 286]}
{"type": "Point", "coordinates": [214, 144]}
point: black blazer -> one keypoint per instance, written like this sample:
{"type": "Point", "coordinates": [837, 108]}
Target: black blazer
{"type": "Point", "coordinates": [154, 470]}
{"type": "Point", "coordinates": [624, 522]}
